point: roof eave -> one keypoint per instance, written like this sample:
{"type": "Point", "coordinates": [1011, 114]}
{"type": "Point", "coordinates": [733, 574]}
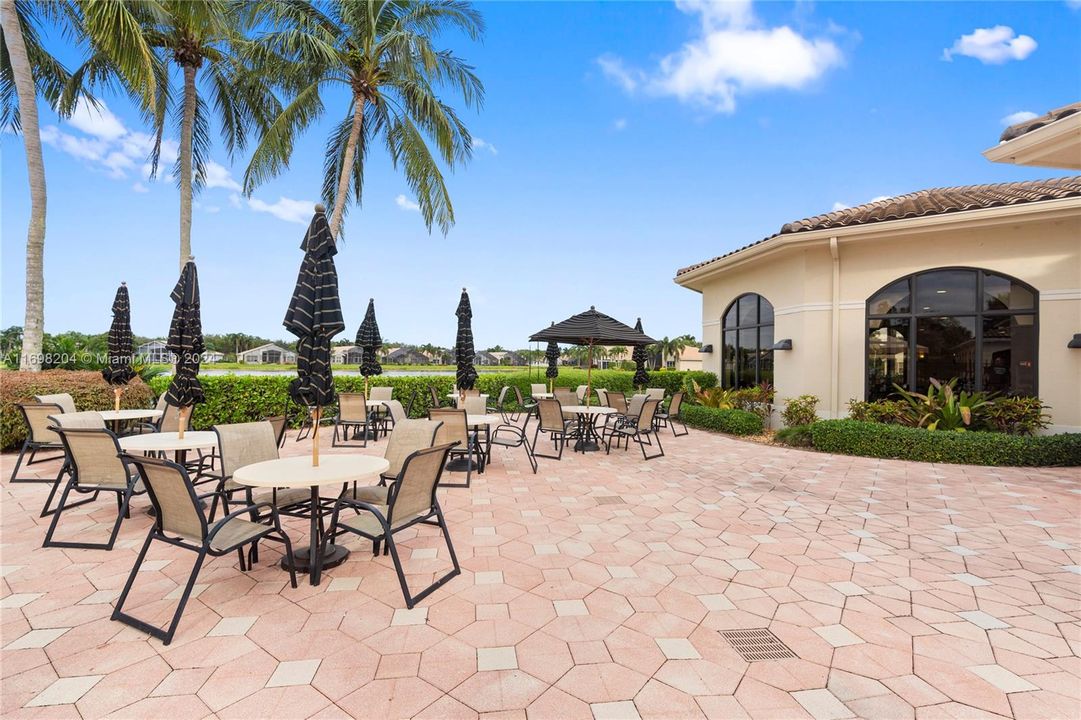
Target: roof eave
{"type": "Point", "coordinates": [1032, 148]}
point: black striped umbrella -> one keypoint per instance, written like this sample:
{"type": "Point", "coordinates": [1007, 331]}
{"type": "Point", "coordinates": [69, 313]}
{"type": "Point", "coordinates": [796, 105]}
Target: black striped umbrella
{"type": "Point", "coordinates": [463, 347]}
{"type": "Point", "coordinates": [186, 340]}
{"type": "Point", "coordinates": [315, 315]}
{"type": "Point", "coordinates": [369, 341]}
{"type": "Point", "coordinates": [551, 354]}
{"type": "Point", "coordinates": [119, 370]}
{"type": "Point", "coordinates": [640, 357]}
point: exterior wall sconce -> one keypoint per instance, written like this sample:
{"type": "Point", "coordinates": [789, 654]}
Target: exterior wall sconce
{"type": "Point", "coordinates": [1075, 344]}
{"type": "Point", "coordinates": [706, 349]}
{"type": "Point", "coordinates": [785, 344]}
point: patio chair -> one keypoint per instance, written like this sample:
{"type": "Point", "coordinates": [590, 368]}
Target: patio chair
{"type": "Point", "coordinates": [470, 393]}
{"type": "Point", "coordinates": [455, 430]}
{"type": "Point", "coordinates": [280, 423]}
{"type": "Point", "coordinates": [528, 407]}
{"type": "Point", "coordinates": [580, 391]}
{"type": "Point", "coordinates": [94, 466]}
{"type": "Point", "coordinates": [243, 444]}
{"type": "Point", "coordinates": [602, 397]}
{"type": "Point", "coordinates": [642, 431]}
{"type": "Point", "coordinates": [409, 405]}
{"type": "Point", "coordinates": [180, 521]}
{"type": "Point", "coordinates": [381, 392]}
{"type": "Point", "coordinates": [655, 393]}
{"type": "Point", "coordinates": [39, 438]}
{"type": "Point", "coordinates": [393, 413]}
{"type": "Point", "coordinates": [500, 402]}
{"type": "Point", "coordinates": [510, 435]}
{"type": "Point", "coordinates": [410, 501]}
{"type": "Point", "coordinates": [553, 422]}
{"type": "Point", "coordinates": [64, 400]}
{"type": "Point", "coordinates": [408, 437]}
{"type": "Point", "coordinates": [475, 405]}
{"type": "Point", "coordinates": [352, 416]}
{"type": "Point", "coordinates": [433, 395]}
{"type": "Point", "coordinates": [671, 416]}
{"type": "Point", "coordinates": [66, 420]}
{"type": "Point", "coordinates": [537, 388]}
{"type": "Point", "coordinates": [567, 398]}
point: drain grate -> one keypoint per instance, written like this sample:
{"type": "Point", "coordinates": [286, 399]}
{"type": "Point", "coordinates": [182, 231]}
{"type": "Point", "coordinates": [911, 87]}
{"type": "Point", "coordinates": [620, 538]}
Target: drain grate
{"type": "Point", "coordinates": [609, 500]}
{"type": "Point", "coordinates": [757, 644]}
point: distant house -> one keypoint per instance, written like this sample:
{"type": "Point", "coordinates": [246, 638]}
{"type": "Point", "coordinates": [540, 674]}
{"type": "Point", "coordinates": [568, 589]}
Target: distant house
{"type": "Point", "coordinates": [267, 354]}
{"type": "Point", "coordinates": [689, 359]}
{"type": "Point", "coordinates": [154, 352]}
{"type": "Point", "coordinates": [485, 358]}
{"type": "Point", "coordinates": [406, 356]}
{"type": "Point", "coordinates": [213, 356]}
{"type": "Point", "coordinates": [346, 355]}
{"type": "Point", "coordinates": [505, 357]}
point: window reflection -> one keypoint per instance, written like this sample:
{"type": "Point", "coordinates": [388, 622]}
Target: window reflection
{"type": "Point", "coordinates": [748, 342]}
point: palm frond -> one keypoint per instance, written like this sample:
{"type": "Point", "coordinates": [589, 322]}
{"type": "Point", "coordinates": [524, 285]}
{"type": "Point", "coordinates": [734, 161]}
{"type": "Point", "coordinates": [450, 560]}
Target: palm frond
{"type": "Point", "coordinates": [276, 142]}
{"type": "Point", "coordinates": [409, 151]}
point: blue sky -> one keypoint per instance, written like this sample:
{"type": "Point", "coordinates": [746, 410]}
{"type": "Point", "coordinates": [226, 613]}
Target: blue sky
{"type": "Point", "coordinates": [621, 141]}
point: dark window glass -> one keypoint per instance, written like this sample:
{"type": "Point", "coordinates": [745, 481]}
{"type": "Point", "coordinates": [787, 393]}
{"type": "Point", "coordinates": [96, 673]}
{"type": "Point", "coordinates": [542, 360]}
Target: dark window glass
{"type": "Point", "coordinates": [748, 342]}
{"type": "Point", "coordinates": [946, 349]}
{"type": "Point", "coordinates": [765, 352]}
{"type": "Point", "coordinates": [887, 356]}
{"type": "Point", "coordinates": [730, 317]}
{"type": "Point", "coordinates": [891, 300]}
{"type": "Point", "coordinates": [748, 310]}
{"type": "Point", "coordinates": [1009, 352]}
{"type": "Point", "coordinates": [765, 312]}
{"type": "Point", "coordinates": [946, 291]}
{"type": "Point", "coordinates": [748, 357]}
{"type": "Point", "coordinates": [1003, 293]}
{"type": "Point", "coordinates": [728, 373]}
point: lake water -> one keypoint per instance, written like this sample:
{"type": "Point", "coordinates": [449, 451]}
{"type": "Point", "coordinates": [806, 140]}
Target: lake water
{"type": "Point", "coordinates": [292, 373]}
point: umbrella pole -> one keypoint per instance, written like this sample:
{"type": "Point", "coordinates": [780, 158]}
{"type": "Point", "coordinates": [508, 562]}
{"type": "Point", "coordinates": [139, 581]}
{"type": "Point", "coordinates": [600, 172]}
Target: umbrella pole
{"type": "Point", "coordinates": [589, 374]}
{"type": "Point", "coordinates": [117, 392]}
{"type": "Point", "coordinates": [315, 435]}
{"type": "Point", "coordinates": [184, 412]}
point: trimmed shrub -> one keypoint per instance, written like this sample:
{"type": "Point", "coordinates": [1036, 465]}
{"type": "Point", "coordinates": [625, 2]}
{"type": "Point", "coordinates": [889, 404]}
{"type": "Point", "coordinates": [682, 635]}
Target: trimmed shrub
{"type": "Point", "coordinates": [800, 410]}
{"type": "Point", "coordinates": [86, 387]}
{"type": "Point", "coordinates": [732, 421]}
{"type": "Point", "coordinates": [1015, 415]}
{"type": "Point", "coordinates": [795, 436]}
{"type": "Point", "coordinates": [868, 439]}
{"type": "Point", "coordinates": [880, 411]}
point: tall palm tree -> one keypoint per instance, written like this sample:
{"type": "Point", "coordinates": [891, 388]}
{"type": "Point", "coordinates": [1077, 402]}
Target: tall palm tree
{"type": "Point", "coordinates": [382, 51]}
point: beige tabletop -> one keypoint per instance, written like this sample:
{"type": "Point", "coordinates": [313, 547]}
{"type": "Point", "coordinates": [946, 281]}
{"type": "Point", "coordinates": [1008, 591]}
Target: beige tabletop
{"type": "Point", "coordinates": [589, 410]}
{"type": "Point", "coordinates": [474, 420]}
{"type": "Point", "coordinates": [295, 472]}
{"type": "Point", "coordinates": [543, 396]}
{"type": "Point", "coordinates": [133, 414]}
{"type": "Point", "coordinates": [376, 403]}
{"type": "Point", "coordinates": [163, 441]}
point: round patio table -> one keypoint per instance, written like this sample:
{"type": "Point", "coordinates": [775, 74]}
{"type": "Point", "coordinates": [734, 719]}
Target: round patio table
{"type": "Point", "coordinates": [542, 395]}
{"type": "Point", "coordinates": [297, 472]}
{"type": "Point", "coordinates": [170, 442]}
{"type": "Point", "coordinates": [588, 439]}
{"type": "Point", "coordinates": [118, 416]}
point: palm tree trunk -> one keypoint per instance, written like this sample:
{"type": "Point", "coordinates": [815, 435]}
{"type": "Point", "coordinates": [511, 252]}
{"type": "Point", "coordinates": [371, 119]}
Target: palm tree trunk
{"type": "Point", "coordinates": [347, 167]}
{"type": "Point", "coordinates": [34, 318]}
{"type": "Point", "coordinates": [186, 129]}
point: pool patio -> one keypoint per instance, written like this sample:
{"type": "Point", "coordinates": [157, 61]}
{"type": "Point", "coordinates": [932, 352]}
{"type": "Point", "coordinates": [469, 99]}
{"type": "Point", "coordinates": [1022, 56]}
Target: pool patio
{"type": "Point", "coordinates": [597, 588]}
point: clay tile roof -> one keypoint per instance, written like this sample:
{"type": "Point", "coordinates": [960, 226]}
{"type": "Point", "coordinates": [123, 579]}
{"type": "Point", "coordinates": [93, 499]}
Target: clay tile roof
{"type": "Point", "coordinates": [1018, 129]}
{"type": "Point", "coordinates": [936, 201]}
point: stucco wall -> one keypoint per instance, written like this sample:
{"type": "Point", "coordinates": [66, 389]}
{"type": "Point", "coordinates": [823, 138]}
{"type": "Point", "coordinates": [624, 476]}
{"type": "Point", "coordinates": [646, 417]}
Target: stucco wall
{"type": "Point", "coordinates": [1043, 252]}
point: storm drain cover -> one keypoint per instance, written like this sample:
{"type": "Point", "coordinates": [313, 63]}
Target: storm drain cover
{"type": "Point", "coordinates": [609, 500]}
{"type": "Point", "coordinates": [757, 644]}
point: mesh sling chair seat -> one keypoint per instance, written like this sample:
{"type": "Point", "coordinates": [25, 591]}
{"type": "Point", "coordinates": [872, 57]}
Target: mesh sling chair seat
{"type": "Point", "coordinates": [568, 398]}
{"type": "Point", "coordinates": [475, 405]}
{"type": "Point", "coordinates": [382, 393]}
{"type": "Point", "coordinates": [243, 444]}
{"type": "Point", "coordinates": [455, 430]}
{"type": "Point", "coordinates": [641, 430]}
{"type": "Point", "coordinates": [527, 406]}
{"type": "Point", "coordinates": [554, 423]}
{"type": "Point", "coordinates": [393, 413]}
{"type": "Point", "coordinates": [352, 416]}
{"type": "Point", "coordinates": [39, 438]}
{"type": "Point", "coordinates": [180, 521]}
{"type": "Point", "coordinates": [433, 397]}
{"type": "Point", "coordinates": [407, 437]}
{"type": "Point", "coordinates": [78, 420]}
{"type": "Point", "coordinates": [64, 400]}
{"type": "Point", "coordinates": [671, 416]}
{"type": "Point", "coordinates": [94, 465]}
{"type": "Point", "coordinates": [500, 403]}
{"type": "Point", "coordinates": [280, 423]}
{"type": "Point", "coordinates": [410, 501]}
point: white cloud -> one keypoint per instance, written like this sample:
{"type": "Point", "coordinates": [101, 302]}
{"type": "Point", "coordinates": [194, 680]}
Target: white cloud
{"type": "Point", "coordinates": [235, 200]}
{"type": "Point", "coordinates": [1020, 116]}
{"type": "Point", "coordinates": [992, 46]}
{"type": "Point", "coordinates": [140, 188]}
{"type": "Point", "coordinates": [206, 208]}
{"type": "Point", "coordinates": [406, 204]}
{"type": "Point", "coordinates": [218, 176]}
{"type": "Point", "coordinates": [288, 209]}
{"type": "Point", "coordinates": [481, 144]}
{"type": "Point", "coordinates": [96, 120]}
{"type": "Point", "coordinates": [1073, 4]}
{"type": "Point", "coordinates": [844, 206]}
{"type": "Point", "coordinates": [735, 53]}
{"type": "Point", "coordinates": [620, 124]}
{"type": "Point", "coordinates": [840, 206]}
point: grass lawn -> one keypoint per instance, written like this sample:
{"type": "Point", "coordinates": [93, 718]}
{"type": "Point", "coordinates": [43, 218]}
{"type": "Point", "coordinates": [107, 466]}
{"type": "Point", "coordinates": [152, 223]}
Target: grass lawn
{"type": "Point", "coordinates": [283, 367]}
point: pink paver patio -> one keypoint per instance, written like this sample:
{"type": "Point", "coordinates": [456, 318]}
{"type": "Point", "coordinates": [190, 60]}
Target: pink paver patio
{"type": "Point", "coordinates": [596, 588]}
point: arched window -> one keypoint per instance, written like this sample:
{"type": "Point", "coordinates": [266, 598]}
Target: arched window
{"type": "Point", "coordinates": [966, 323]}
{"type": "Point", "coordinates": [747, 329]}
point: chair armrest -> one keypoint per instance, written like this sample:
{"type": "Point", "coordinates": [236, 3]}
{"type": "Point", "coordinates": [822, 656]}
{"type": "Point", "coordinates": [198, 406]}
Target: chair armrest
{"type": "Point", "coordinates": [237, 513]}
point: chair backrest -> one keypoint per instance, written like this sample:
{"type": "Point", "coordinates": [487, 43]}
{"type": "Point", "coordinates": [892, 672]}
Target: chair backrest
{"type": "Point", "coordinates": [170, 419]}
{"type": "Point", "coordinates": [551, 414]}
{"type": "Point", "coordinates": [538, 388]}
{"type": "Point", "coordinates": [397, 412]}
{"type": "Point", "coordinates": [645, 418]}
{"type": "Point", "coordinates": [434, 394]}
{"type": "Point", "coordinates": [171, 493]}
{"type": "Point", "coordinates": [634, 407]}
{"type": "Point", "coordinates": [280, 423]}
{"type": "Point", "coordinates": [518, 396]}
{"type": "Point", "coordinates": [617, 400]}
{"type": "Point", "coordinates": [454, 428]}
{"type": "Point", "coordinates": [471, 393]}
{"type": "Point", "coordinates": [602, 396]}
{"type": "Point", "coordinates": [411, 403]}
{"type": "Point", "coordinates": [381, 392]}
{"type": "Point", "coordinates": [655, 393]}
{"type": "Point", "coordinates": [414, 493]}
{"type": "Point", "coordinates": [242, 444]}
{"type": "Point", "coordinates": [95, 455]}
{"type": "Point", "coordinates": [406, 438]}
{"type": "Point", "coordinates": [677, 401]}
{"type": "Point", "coordinates": [475, 406]}
{"type": "Point", "coordinates": [64, 400]}
{"type": "Point", "coordinates": [580, 391]}
{"type": "Point", "coordinates": [352, 407]}
{"type": "Point", "coordinates": [502, 396]}
{"type": "Point", "coordinates": [86, 420]}
{"type": "Point", "coordinates": [38, 421]}
{"type": "Point", "coordinates": [161, 403]}
{"type": "Point", "coordinates": [566, 397]}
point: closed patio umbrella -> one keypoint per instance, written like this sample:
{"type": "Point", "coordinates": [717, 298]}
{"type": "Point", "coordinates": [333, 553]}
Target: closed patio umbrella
{"type": "Point", "coordinates": [185, 342]}
{"type": "Point", "coordinates": [119, 371]}
{"type": "Point", "coordinates": [314, 316]}
{"type": "Point", "coordinates": [551, 354]}
{"type": "Point", "coordinates": [369, 341]}
{"type": "Point", "coordinates": [640, 357]}
{"type": "Point", "coordinates": [466, 376]}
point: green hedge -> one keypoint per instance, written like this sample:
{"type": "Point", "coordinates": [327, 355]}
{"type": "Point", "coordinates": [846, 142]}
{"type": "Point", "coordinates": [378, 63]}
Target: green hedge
{"type": "Point", "coordinates": [733, 422]}
{"type": "Point", "coordinates": [243, 398]}
{"type": "Point", "coordinates": [870, 439]}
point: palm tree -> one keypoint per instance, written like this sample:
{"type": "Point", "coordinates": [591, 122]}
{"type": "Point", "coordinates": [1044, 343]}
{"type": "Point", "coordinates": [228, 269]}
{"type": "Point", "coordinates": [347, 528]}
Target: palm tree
{"type": "Point", "coordinates": [671, 347]}
{"type": "Point", "coordinates": [381, 50]}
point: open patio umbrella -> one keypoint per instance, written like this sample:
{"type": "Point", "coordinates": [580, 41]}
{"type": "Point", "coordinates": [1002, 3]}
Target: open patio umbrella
{"type": "Point", "coordinates": [551, 354]}
{"type": "Point", "coordinates": [369, 341]}
{"type": "Point", "coordinates": [640, 357]}
{"type": "Point", "coordinates": [119, 372]}
{"type": "Point", "coordinates": [185, 342]}
{"type": "Point", "coordinates": [314, 316]}
{"type": "Point", "coordinates": [591, 328]}
{"type": "Point", "coordinates": [466, 377]}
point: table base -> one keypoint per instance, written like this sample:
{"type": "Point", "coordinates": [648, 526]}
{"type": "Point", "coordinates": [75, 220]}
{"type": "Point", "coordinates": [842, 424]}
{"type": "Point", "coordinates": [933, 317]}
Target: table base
{"type": "Point", "coordinates": [334, 556]}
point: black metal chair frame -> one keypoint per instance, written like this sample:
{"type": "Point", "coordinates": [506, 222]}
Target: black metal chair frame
{"type": "Point", "coordinates": [71, 469]}
{"type": "Point", "coordinates": [518, 439]}
{"type": "Point", "coordinates": [387, 536]}
{"type": "Point", "coordinates": [559, 437]}
{"type": "Point", "coordinates": [529, 407]}
{"type": "Point", "coordinates": [436, 402]}
{"type": "Point", "coordinates": [641, 436]}
{"type": "Point", "coordinates": [667, 419]}
{"type": "Point", "coordinates": [203, 550]}
{"type": "Point", "coordinates": [34, 448]}
{"type": "Point", "coordinates": [472, 449]}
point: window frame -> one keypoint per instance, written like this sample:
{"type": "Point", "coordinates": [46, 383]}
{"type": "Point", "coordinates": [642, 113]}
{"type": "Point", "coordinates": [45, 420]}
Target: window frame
{"type": "Point", "coordinates": [978, 313]}
{"type": "Point", "coordinates": [757, 326]}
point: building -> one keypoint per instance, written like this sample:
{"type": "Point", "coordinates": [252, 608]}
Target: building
{"type": "Point", "coordinates": [346, 355]}
{"type": "Point", "coordinates": [268, 354]}
{"type": "Point", "coordinates": [154, 352]}
{"type": "Point", "coordinates": [689, 359]}
{"type": "Point", "coordinates": [981, 283]}
{"type": "Point", "coordinates": [498, 357]}
{"type": "Point", "coordinates": [405, 356]}
{"type": "Point", "coordinates": [213, 356]}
